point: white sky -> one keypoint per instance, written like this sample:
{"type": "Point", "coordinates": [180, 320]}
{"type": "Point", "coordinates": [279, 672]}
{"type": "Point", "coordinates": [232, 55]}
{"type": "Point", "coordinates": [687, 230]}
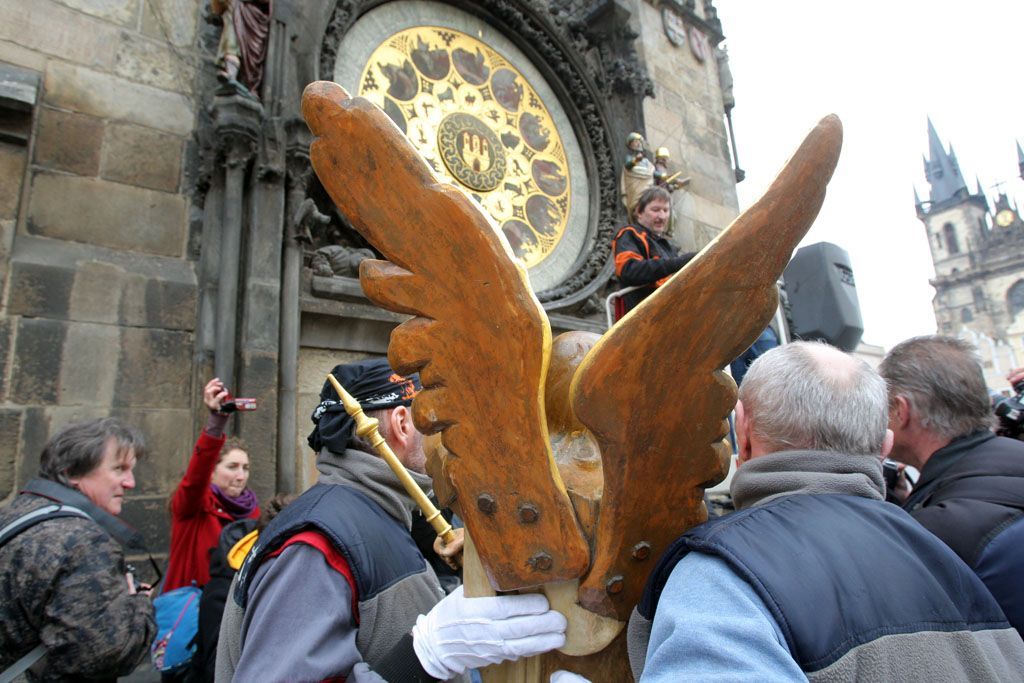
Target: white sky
{"type": "Point", "coordinates": [883, 68]}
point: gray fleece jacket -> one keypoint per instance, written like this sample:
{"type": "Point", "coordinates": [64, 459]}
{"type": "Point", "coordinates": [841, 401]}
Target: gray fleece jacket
{"type": "Point", "coordinates": [300, 621]}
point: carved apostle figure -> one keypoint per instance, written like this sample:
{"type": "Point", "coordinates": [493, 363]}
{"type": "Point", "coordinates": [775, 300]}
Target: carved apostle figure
{"type": "Point", "coordinates": [637, 172]}
{"type": "Point", "coordinates": [243, 43]}
{"type": "Point", "coordinates": [662, 175]}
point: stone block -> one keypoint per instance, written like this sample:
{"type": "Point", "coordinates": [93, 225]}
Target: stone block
{"type": "Point", "coordinates": [174, 21]}
{"type": "Point", "coordinates": [38, 350]}
{"type": "Point", "coordinates": [6, 237]}
{"type": "Point", "coordinates": [87, 368]}
{"type": "Point", "coordinates": [12, 172]}
{"type": "Point", "coordinates": [57, 279]}
{"type": "Point", "coordinates": [12, 53]}
{"type": "Point", "coordinates": [68, 142]}
{"type": "Point", "coordinates": [159, 303]}
{"type": "Point", "coordinates": [10, 439]}
{"type": "Point", "coordinates": [154, 370]}
{"type": "Point", "coordinates": [5, 352]}
{"type": "Point", "coordinates": [53, 29]}
{"type": "Point", "coordinates": [149, 516]}
{"type": "Point", "coordinates": [123, 12]}
{"type": "Point", "coordinates": [141, 156]}
{"type": "Point", "coordinates": [40, 291]}
{"type": "Point", "coordinates": [169, 436]}
{"type": "Point", "coordinates": [69, 86]}
{"type": "Point", "coordinates": [713, 214]}
{"type": "Point", "coordinates": [107, 214]}
{"type": "Point", "coordinates": [144, 60]}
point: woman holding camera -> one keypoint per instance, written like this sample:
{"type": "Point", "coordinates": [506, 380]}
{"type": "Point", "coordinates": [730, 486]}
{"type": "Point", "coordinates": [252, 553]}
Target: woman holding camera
{"type": "Point", "coordinates": [212, 494]}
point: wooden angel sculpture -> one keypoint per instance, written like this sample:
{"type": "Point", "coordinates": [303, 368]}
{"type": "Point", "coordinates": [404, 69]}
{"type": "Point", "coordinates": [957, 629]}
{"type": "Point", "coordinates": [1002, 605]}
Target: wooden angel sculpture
{"type": "Point", "coordinates": [638, 420]}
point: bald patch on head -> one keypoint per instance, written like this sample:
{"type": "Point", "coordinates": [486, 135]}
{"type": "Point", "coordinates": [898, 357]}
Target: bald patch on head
{"type": "Point", "coordinates": [841, 368]}
{"type": "Point", "coordinates": [808, 395]}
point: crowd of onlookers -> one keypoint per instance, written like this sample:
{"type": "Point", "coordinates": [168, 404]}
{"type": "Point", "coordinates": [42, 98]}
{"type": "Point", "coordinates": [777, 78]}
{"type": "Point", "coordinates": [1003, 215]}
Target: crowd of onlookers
{"type": "Point", "coordinates": [825, 569]}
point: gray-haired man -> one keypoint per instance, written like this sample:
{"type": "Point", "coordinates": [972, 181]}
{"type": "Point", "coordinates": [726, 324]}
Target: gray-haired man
{"type": "Point", "coordinates": [815, 575]}
{"type": "Point", "coordinates": [971, 489]}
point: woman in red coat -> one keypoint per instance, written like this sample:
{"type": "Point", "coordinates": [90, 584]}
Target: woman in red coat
{"type": "Point", "coordinates": [211, 495]}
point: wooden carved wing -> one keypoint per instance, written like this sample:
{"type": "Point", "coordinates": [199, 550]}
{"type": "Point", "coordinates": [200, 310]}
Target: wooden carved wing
{"type": "Point", "coordinates": [651, 389]}
{"type": "Point", "coordinates": [480, 339]}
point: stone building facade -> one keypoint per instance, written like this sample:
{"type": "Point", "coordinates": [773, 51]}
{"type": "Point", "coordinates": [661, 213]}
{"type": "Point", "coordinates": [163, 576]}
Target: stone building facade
{"type": "Point", "coordinates": [158, 227]}
{"type": "Point", "coordinates": [978, 252]}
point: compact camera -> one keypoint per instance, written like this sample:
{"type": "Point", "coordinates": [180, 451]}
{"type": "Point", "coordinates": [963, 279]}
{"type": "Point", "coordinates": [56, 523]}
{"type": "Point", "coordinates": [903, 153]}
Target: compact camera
{"type": "Point", "coordinates": [1010, 412]}
{"type": "Point", "coordinates": [232, 404]}
{"type": "Point", "coordinates": [890, 473]}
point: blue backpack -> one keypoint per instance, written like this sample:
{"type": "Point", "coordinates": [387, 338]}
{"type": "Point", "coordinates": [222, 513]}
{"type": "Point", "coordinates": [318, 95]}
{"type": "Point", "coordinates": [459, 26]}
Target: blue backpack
{"type": "Point", "coordinates": [177, 624]}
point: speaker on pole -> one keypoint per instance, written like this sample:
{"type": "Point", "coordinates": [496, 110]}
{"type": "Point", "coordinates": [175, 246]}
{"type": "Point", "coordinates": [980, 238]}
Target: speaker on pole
{"type": "Point", "coordinates": [823, 296]}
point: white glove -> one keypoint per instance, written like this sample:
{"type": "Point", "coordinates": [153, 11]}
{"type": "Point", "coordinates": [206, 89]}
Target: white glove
{"type": "Point", "coordinates": [563, 676]}
{"type": "Point", "coordinates": [462, 633]}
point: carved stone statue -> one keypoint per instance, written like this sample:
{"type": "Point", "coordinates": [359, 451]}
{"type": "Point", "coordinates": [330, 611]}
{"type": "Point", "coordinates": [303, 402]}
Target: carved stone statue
{"type": "Point", "coordinates": [243, 43]}
{"type": "Point", "coordinates": [725, 78]}
{"type": "Point", "coordinates": [338, 260]}
{"type": "Point", "coordinates": [637, 172]}
{"type": "Point", "coordinates": [662, 176]}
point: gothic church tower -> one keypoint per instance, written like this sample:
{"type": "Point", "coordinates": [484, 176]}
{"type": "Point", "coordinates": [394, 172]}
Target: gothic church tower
{"type": "Point", "coordinates": [978, 254]}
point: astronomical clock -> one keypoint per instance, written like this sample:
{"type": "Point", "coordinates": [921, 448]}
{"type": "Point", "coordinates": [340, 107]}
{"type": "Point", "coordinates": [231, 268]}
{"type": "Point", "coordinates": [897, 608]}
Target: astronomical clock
{"type": "Point", "coordinates": [484, 118]}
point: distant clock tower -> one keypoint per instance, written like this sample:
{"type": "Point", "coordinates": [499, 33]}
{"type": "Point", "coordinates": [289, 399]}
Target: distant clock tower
{"type": "Point", "coordinates": [978, 256]}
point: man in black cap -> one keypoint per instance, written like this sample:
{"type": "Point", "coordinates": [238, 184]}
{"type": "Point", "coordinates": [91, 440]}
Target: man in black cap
{"type": "Point", "coordinates": [336, 587]}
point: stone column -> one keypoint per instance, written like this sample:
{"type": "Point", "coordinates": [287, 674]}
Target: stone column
{"type": "Point", "coordinates": [237, 125]}
{"type": "Point", "coordinates": [296, 210]}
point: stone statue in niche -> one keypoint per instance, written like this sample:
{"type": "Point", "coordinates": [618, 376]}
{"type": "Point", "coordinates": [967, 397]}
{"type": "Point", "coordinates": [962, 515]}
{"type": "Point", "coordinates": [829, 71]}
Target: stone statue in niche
{"type": "Point", "coordinates": [662, 176]}
{"type": "Point", "coordinates": [725, 78]}
{"type": "Point", "coordinates": [336, 260]}
{"type": "Point", "coordinates": [243, 44]}
{"type": "Point", "coordinates": [637, 172]}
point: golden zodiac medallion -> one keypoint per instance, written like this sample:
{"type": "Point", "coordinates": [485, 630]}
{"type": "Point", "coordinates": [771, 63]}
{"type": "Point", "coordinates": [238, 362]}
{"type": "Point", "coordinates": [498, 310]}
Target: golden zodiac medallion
{"type": "Point", "coordinates": [478, 123]}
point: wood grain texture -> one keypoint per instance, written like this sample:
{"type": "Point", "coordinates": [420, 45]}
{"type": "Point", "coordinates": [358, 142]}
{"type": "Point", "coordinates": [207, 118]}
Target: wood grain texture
{"type": "Point", "coordinates": [651, 389]}
{"type": "Point", "coordinates": [479, 340]}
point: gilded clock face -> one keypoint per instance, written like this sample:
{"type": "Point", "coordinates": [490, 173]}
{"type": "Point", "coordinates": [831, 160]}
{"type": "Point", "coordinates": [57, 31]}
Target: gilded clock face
{"type": "Point", "coordinates": [478, 123]}
{"type": "Point", "coordinates": [1004, 218]}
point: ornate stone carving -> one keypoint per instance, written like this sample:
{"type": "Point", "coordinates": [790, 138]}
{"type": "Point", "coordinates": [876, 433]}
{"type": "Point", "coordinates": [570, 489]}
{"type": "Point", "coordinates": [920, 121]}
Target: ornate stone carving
{"type": "Point", "coordinates": [587, 50]}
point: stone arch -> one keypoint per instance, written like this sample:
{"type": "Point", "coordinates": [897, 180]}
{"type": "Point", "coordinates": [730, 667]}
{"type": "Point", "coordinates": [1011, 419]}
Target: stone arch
{"type": "Point", "coordinates": [1015, 298]}
{"type": "Point", "coordinates": [952, 244]}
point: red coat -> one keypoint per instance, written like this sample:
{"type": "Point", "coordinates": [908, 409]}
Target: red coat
{"type": "Point", "coordinates": [196, 518]}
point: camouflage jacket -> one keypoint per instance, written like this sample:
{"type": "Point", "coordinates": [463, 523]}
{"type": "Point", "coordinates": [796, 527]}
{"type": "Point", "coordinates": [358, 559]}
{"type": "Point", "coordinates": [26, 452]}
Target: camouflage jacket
{"type": "Point", "coordinates": [62, 582]}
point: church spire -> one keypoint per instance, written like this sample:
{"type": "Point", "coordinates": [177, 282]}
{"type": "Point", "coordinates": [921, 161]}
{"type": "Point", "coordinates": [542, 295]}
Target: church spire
{"type": "Point", "coordinates": [942, 170]}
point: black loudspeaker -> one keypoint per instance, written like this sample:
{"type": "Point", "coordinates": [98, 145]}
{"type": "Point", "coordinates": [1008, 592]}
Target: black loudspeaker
{"type": "Point", "coordinates": [823, 296]}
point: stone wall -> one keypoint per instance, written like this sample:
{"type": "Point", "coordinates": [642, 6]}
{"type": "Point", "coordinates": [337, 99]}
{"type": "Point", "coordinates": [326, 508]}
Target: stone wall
{"type": "Point", "coordinates": [687, 116]}
{"type": "Point", "coordinates": [99, 302]}
{"type": "Point", "coordinates": [110, 264]}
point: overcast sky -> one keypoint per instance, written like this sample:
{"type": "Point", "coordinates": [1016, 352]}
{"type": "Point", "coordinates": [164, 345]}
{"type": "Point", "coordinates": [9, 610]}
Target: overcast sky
{"type": "Point", "coordinates": [883, 68]}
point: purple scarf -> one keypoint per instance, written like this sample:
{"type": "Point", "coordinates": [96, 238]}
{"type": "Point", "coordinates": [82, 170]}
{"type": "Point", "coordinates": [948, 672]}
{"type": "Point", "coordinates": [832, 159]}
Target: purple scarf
{"type": "Point", "coordinates": [240, 507]}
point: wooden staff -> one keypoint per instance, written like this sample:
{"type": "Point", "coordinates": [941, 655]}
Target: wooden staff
{"type": "Point", "coordinates": [366, 427]}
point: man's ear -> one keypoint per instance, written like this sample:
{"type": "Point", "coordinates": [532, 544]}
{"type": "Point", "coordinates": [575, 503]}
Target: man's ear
{"type": "Point", "coordinates": [899, 412]}
{"type": "Point", "coordinates": [402, 427]}
{"type": "Point", "coordinates": [743, 447]}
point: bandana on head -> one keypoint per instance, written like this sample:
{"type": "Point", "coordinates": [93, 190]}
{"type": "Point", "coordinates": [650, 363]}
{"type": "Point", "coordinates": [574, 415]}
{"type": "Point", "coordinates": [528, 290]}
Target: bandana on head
{"type": "Point", "coordinates": [371, 382]}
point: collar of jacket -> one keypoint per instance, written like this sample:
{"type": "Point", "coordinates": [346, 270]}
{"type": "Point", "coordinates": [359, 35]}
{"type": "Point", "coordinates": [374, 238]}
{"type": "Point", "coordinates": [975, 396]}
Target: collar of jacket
{"type": "Point", "coordinates": [118, 529]}
{"type": "Point", "coordinates": [370, 475]}
{"type": "Point", "coordinates": [772, 476]}
{"type": "Point", "coordinates": [941, 461]}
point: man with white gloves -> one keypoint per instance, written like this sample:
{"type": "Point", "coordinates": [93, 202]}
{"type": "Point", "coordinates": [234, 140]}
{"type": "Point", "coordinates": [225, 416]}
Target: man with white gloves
{"type": "Point", "coordinates": [335, 588]}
